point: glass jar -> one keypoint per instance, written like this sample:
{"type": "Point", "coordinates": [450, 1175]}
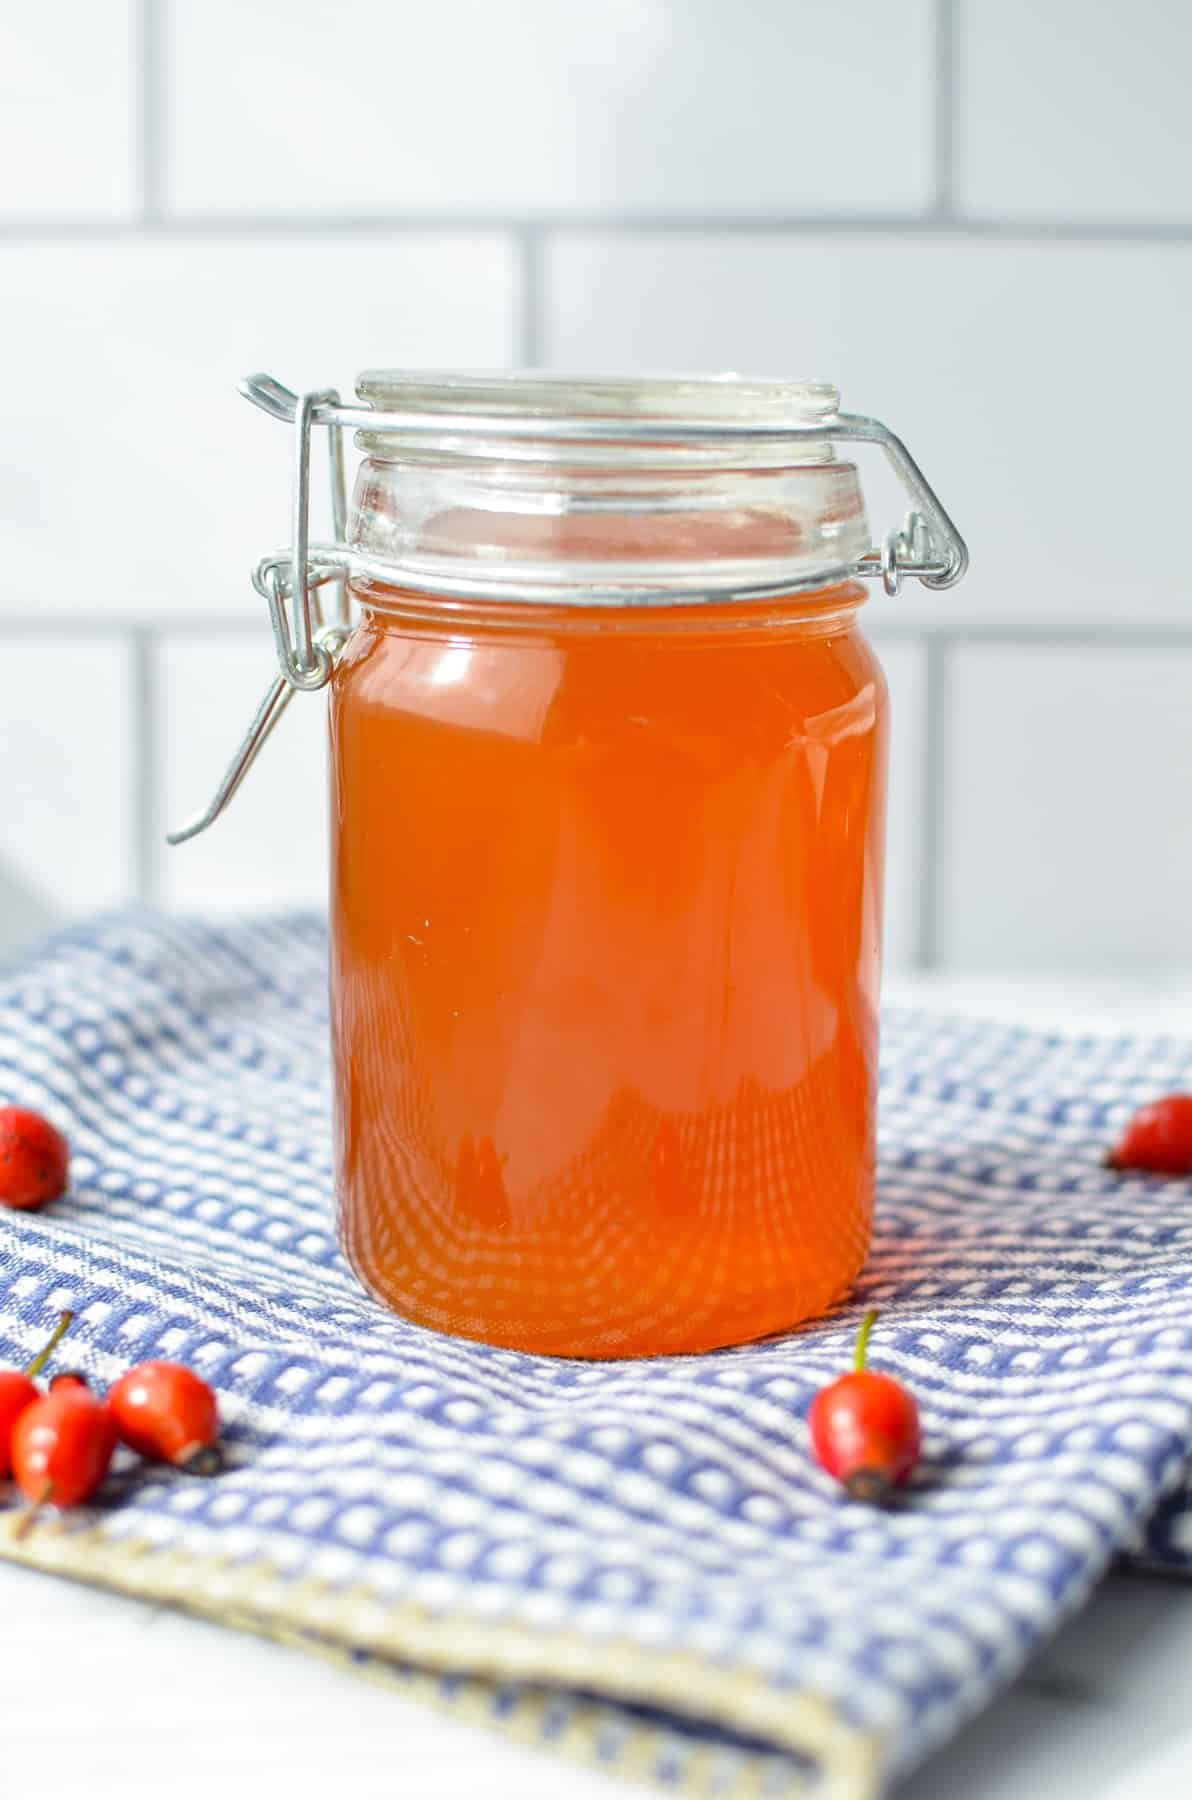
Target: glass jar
{"type": "Point", "coordinates": [608, 770]}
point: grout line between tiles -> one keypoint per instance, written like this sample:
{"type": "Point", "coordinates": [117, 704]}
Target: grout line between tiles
{"type": "Point", "coordinates": [146, 767]}
{"type": "Point", "coordinates": [946, 107]}
{"type": "Point", "coordinates": [1144, 234]}
{"type": "Point", "coordinates": [932, 847]}
{"type": "Point", "coordinates": [151, 114]}
{"type": "Point", "coordinates": [530, 332]}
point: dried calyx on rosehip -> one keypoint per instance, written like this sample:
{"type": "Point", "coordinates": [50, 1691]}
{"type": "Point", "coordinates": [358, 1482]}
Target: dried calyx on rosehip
{"type": "Point", "coordinates": [865, 1427]}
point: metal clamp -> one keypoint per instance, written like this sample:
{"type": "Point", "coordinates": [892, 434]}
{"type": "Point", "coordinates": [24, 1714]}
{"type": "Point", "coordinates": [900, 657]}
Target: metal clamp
{"type": "Point", "coordinates": [292, 584]}
{"type": "Point", "coordinates": [327, 642]}
{"type": "Point", "coordinates": [926, 547]}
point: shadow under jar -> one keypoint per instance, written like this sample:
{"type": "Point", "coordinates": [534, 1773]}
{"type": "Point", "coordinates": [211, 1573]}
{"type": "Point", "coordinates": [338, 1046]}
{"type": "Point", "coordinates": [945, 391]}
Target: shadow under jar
{"type": "Point", "coordinates": [607, 868]}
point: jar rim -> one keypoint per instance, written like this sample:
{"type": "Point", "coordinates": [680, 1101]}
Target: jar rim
{"type": "Point", "coordinates": [598, 421]}
{"type": "Point", "coordinates": [672, 401]}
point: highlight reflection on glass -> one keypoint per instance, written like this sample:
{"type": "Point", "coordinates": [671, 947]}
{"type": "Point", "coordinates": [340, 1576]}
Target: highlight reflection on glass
{"type": "Point", "coordinates": [452, 666]}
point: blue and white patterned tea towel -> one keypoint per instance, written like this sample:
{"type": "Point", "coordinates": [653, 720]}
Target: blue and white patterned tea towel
{"type": "Point", "coordinates": [636, 1562]}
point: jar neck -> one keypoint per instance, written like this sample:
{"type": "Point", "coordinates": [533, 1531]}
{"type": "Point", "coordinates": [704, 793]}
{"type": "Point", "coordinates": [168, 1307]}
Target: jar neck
{"type": "Point", "coordinates": [822, 612]}
{"type": "Point", "coordinates": [633, 534]}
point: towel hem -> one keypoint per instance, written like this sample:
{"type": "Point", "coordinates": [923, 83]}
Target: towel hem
{"type": "Point", "coordinates": [340, 1622]}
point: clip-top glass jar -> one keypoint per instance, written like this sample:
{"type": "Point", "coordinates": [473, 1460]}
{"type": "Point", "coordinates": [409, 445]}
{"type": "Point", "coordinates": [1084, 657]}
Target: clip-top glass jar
{"type": "Point", "coordinates": [608, 766]}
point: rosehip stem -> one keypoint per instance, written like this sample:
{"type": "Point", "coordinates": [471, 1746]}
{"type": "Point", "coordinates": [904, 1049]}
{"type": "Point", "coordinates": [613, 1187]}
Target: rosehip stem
{"type": "Point", "coordinates": [65, 1321]}
{"type": "Point", "coordinates": [867, 1324]}
{"type": "Point", "coordinates": [30, 1514]}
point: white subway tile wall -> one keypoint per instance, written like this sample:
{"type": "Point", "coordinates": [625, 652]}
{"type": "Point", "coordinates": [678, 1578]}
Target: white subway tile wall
{"type": "Point", "coordinates": [71, 121]}
{"type": "Point", "coordinates": [1074, 111]}
{"type": "Point", "coordinates": [270, 848]}
{"type": "Point", "coordinates": [534, 108]}
{"type": "Point", "coordinates": [1090, 860]}
{"type": "Point", "coordinates": [1042, 385]}
{"type": "Point", "coordinates": [146, 340]}
{"type": "Point", "coordinates": [67, 747]}
{"type": "Point", "coordinates": [977, 219]}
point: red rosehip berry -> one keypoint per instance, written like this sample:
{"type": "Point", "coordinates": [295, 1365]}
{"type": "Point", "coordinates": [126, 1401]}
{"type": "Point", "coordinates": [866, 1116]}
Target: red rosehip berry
{"type": "Point", "coordinates": [16, 1393]}
{"type": "Point", "coordinates": [34, 1159]}
{"type": "Point", "coordinates": [1158, 1138]}
{"type": "Point", "coordinates": [167, 1413]}
{"type": "Point", "coordinates": [61, 1446]}
{"type": "Point", "coordinates": [865, 1427]}
{"type": "Point", "coordinates": [18, 1390]}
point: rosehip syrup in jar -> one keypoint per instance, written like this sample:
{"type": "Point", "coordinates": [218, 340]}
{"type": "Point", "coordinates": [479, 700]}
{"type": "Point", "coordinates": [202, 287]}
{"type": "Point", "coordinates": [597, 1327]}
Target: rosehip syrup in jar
{"type": "Point", "coordinates": [605, 923]}
{"type": "Point", "coordinates": [607, 852]}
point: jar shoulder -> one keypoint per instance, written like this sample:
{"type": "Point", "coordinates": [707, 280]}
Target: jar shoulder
{"type": "Point", "coordinates": [577, 687]}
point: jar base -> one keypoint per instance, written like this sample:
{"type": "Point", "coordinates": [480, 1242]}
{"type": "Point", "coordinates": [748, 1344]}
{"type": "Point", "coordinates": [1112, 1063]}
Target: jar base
{"type": "Point", "coordinates": [752, 1322]}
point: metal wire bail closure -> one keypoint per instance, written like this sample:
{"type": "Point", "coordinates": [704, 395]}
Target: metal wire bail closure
{"type": "Point", "coordinates": [927, 546]}
{"type": "Point", "coordinates": [306, 642]}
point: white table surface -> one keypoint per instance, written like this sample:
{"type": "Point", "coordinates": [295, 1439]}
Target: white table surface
{"type": "Point", "coordinates": [100, 1695]}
